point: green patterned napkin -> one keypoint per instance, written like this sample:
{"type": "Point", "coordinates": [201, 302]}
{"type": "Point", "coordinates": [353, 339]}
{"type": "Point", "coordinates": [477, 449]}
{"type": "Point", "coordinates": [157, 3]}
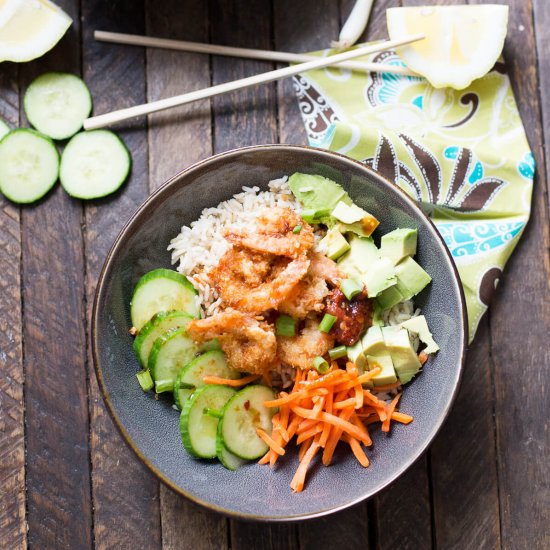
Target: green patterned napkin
{"type": "Point", "coordinates": [462, 154]}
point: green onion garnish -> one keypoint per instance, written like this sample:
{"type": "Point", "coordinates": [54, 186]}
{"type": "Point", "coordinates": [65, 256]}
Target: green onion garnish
{"type": "Point", "coordinates": [297, 229]}
{"type": "Point", "coordinates": [164, 385]}
{"type": "Point", "coordinates": [310, 215]}
{"type": "Point", "coordinates": [145, 380]}
{"type": "Point", "coordinates": [321, 365]}
{"type": "Point", "coordinates": [285, 326]}
{"type": "Point", "coordinates": [337, 353]}
{"type": "Point", "coordinates": [327, 322]}
{"type": "Point", "coordinates": [350, 288]}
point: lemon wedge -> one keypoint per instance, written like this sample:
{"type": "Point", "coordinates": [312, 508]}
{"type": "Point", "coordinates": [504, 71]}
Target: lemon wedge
{"type": "Point", "coordinates": [462, 42]}
{"type": "Point", "coordinates": [30, 28]}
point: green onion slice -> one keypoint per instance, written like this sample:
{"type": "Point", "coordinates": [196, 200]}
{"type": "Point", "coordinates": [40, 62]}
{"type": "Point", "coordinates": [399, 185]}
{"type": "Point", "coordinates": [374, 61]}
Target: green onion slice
{"type": "Point", "coordinates": [338, 352]}
{"type": "Point", "coordinates": [350, 288]}
{"type": "Point", "coordinates": [285, 326]}
{"type": "Point", "coordinates": [297, 229]}
{"type": "Point", "coordinates": [321, 365]}
{"type": "Point", "coordinates": [145, 380]}
{"type": "Point", "coordinates": [327, 322]}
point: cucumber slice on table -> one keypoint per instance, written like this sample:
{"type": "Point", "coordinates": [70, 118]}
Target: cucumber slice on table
{"type": "Point", "coordinates": [4, 129]}
{"type": "Point", "coordinates": [94, 164]}
{"type": "Point", "coordinates": [29, 165]}
{"type": "Point", "coordinates": [169, 354]}
{"type": "Point", "coordinates": [226, 457]}
{"type": "Point", "coordinates": [57, 104]}
{"type": "Point", "coordinates": [241, 416]}
{"type": "Point", "coordinates": [162, 290]}
{"type": "Point", "coordinates": [198, 429]}
{"type": "Point", "coordinates": [159, 324]}
{"type": "Point", "coordinates": [212, 363]}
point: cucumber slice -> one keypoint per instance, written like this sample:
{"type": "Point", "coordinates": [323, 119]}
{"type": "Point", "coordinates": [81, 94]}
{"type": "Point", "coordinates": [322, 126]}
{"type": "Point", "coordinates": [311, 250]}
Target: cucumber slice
{"type": "Point", "coordinates": [170, 353]}
{"type": "Point", "coordinates": [57, 104]}
{"type": "Point", "coordinates": [162, 290]}
{"type": "Point", "coordinates": [29, 165]}
{"type": "Point", "coordinates": [94, 164]}
{"type": "Point", "coordinates": [159, 324]}
{"type": "Point", "coordinates": [4, 129]}
{"type": "Point", "coordinates": [226, 457]}
{"type": "Point", "coordinates": [211, 363]}
{"type": "Point", "coordinates": [198, 430]}
{"type": "Point", "coordinates": [241, 416]}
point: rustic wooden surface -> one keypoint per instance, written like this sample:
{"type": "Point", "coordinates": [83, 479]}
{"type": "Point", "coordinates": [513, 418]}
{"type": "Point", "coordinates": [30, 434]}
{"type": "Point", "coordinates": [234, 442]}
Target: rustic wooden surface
{"type": "Point", "coordinates": [66, 478]}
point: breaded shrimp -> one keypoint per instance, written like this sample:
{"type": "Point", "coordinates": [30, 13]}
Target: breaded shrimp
{"type": "Point", "coordinates": [274, 234]}
{"type": "Point", "coordinates": [325, 268]}
{"type": "Point", "coordinates": [299, 351]}
{"type": "Point", "coordinates": [250, 345]}
{"type": "Point", "coordinates": [256, 282]}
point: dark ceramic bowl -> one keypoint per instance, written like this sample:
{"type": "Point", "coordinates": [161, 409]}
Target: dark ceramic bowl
{"type": "Point", "coordinates": [150, 427]}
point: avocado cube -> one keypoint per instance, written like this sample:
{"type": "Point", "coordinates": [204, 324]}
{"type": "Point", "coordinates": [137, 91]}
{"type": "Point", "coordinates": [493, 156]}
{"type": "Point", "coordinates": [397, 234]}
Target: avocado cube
{"type": "Point", "coordinates": [398, 244]}
{"type": "Point", "coordinates": [355, 355]}
{"type": "Point", "coordinates": [419, 326]}
{"type": "Point", "coordinates": [334, 243]}
{"type": "Point", "coordinates": [316, 192]}
{"type": "Point", "coordinates": [362, 253]}
{"type": "Point", "coordinates": [379, 276]}
{"type": "Point", "coordinates": [355, 219]}
{"type": "Point", "coordinates": [382, 360]}
{"type": "Point", "coordinates": [373, 341]}
{"type": "Point", "coordinates": [411, 278]}
{"type": "Point", "coordinates": [405, 360]}
{"type": "Point", "coordinates": [389, 297]}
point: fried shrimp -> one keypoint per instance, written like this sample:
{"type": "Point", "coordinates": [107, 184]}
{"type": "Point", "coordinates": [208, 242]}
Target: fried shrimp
{"type": "Point", "coordinates": [299, 351]}
{"type": "Point", "coordinates": [255, 282]}
{"type": "Point", "coordinates": [280, 231]}
{"type": "Point", "coordinates": [309, 294]}
{"type": "Point", "coordinates": [250, 345]}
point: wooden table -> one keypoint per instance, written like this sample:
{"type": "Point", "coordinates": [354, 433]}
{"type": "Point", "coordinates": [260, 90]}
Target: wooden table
{"type": "Point", "coordinates": [67, 480]}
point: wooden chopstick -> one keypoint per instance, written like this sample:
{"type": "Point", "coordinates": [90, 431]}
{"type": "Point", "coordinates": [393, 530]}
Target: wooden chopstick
{"type": "Point", "coordinates": [108, 119]}
{"type": "Point", "coordinates": [248, 53]}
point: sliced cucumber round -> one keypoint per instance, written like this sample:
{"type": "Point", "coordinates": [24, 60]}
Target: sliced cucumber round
{"type": "Point", "coordinates": [211, 363]}
{"type": "Point", "coordinates": [4, 128]}
{"type": "Point", "coordinates": [226, 457]}
{"type": "Point", "coordinates": [29, 165]}
{"type": "Point", "coordinates": [94, 164]}
{"type": "Point", "coordinates": [198, 429]}
{"type": "Point", "coordinates": [241, 416]}
{"type": "Point", "coordinates": [159, 324]}
{"type": "Point", "coordinates": [57, 104]}
{"type": "Point", "coordinates": [162, 290]}
{"type": "Point", "coordinates": [169, 354]}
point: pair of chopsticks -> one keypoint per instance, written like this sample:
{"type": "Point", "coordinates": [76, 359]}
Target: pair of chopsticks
{"type": "Point", "coordinates": [309, 63]}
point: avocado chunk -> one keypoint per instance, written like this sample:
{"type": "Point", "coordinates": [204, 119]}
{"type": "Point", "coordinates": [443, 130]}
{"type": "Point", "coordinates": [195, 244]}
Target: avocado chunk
{"type": "Point", "coordinates": [334, 243]}
{"type": "Point", "coordinates": [373, 341]}
{"type": "Point", "coordinates": [419, 326]}
{"type": "Point", "coordinates": [355, 355]}
{"type": "Point", "coordinates": [316, 192]}
{"type": "Point", "coordinates": [389, 297]}
{"type": "Point", "coordinates": [377, 315]}
{"type": "Point", "coordinates": [362, 254]}
{"type": "Point", "coordinates": [355, 219]}
{"type": "Point", "coordinates": [379, 276]}
{"type": "Point", "coordinates": [398, 244]}
{"type": "Point", "coordinates": [405, 360]}
{"type": "Point", "coordinates": [411, 278]}
{"type": "Point", "coordinates": [382, 360]}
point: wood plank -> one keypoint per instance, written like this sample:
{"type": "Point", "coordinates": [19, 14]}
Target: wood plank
{"type": "Point", "coordinates": [177, 139]}
{"type": "Point", "coordinates": [541, 18]}
{"type": "Point", "coordinates": [522, 407]}
{"type": "Point", "coordinates": [463, 461]}
{"type": "Point", "coordinates": [13, 529]}
{"type": "Point", "coordinates": [58, 474]}
{"type": "Point", "coordinates": [241, 118]}
{"type": "Point", "coordinates": [125, 493]}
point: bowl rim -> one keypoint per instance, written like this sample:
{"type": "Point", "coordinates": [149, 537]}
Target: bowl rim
{"type": "Point", "coordinates": [152, 198]}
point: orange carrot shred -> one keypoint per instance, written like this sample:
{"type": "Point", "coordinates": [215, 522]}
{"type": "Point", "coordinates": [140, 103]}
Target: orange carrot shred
{"type": "Point", "coordinates": [350, 402]}
{"type": "Point", "coordinates": [389, 411]}
{"type": "Point", "coordinates": [358, 397]}
{"type": "Point", "coordinates": [312, 432]}
{"type": "Point", "coordinates": [270, 442]}
{"type": "Point", "coordinates": [228, 382]}
{"type": "Point", "coordinates": [303, 448]}
{"type": "Point", "coordinates": [422, 357]}
{"type": "Point", "coordinates": [358, 451]}
{"type": "Point", "coordinates": [401, 417]}
{"type": "Point", "coordinates": [298, 481]}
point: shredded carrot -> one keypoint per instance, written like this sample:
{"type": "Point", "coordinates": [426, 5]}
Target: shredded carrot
{"type": "Point", "coordinates": [322, 410]}
{"type": "Point", "coordinates": [422, 357]}
{"type": "Point", "coordinates": [228, 382]}
{"type": "Point", "coordinates": [389, 411]}
{"type": "Point", "coordinates": [270, 442]}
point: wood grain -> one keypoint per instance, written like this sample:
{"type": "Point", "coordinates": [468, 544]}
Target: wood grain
{"type": "Point", "coordinates": [522, 407]}
{"type": "Point", "coordinates": [176, 140]}
{"type": "Point", "coordinates": [58, 473]}
{"type": "Point", "coordinates": [125, 493]}
{"type": "Point", "coordinates": [13, 529]}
